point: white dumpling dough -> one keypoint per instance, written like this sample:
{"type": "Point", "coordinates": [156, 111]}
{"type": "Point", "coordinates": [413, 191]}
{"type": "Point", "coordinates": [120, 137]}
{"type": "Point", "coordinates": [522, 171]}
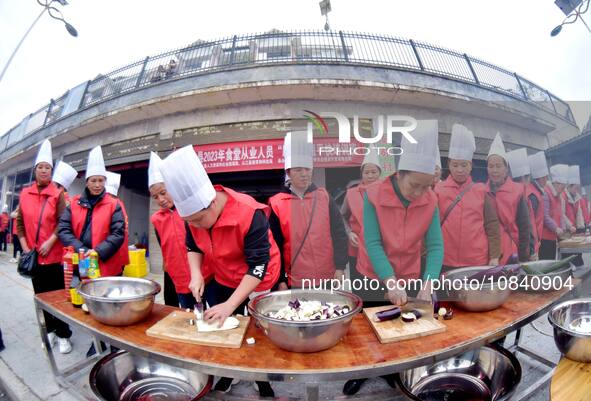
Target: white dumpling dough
{"type": "Point", "coordinates": [229, 324]}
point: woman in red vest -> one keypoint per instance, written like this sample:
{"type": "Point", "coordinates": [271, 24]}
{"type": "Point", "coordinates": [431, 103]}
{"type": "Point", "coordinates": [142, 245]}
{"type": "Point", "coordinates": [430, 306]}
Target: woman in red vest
{"type": "Point", "coordinates": [41, 205]}
{"type": "Point", "coordinates": [227, 234]}
{"type": "Point", "coordinates": [554, 221]}
{"type": "Point", "coordinates": [307, 223]}
{"type": "Point", "coordinates": [16, 244]}
{"type": "Point", "coordinates": [171, 234]}
{"type": "Point", "coordinates": [95, 221]}
{"type": "Point", "coordinates": [468, 212]}
{"type": "Point", "coordinates": [511, 205]}
{"type": "Point", "coordinates": [537, 198]}
{"type": "Point", "coordinates": [573, 210]}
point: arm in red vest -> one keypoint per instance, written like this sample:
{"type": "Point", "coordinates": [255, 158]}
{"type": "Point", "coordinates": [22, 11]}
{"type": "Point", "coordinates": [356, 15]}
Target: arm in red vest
{"type": "Point", "coordinates": [65, 232]}
{"type": "Point", "coordinates": [110, 245]}
{"type": "Point", "coordinates": [275, 226]}
{"type": "Point", "coordinates": [195, 258]}
{"type": "Point", "coordinates": [549, 222]}
{"type": "Point", "coordinates": [340, 239]}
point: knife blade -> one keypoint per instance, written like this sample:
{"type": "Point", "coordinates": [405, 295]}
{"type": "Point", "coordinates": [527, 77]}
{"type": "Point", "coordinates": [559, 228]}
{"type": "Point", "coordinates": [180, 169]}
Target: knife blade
{"type": "Point", "coordinates": [198, 310]}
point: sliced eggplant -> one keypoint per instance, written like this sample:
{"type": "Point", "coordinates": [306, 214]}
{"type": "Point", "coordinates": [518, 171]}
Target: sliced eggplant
{"type": "Point", "coordinates": [448, 315]}
{"type": "Point", "coordinates": [442, 311]}
{"type": "Point", "coordinates": [418, 314]}
{"type": "Point", "coordinates": [388, 314]}
{"type": "Point", "coordinates": [408, 317]}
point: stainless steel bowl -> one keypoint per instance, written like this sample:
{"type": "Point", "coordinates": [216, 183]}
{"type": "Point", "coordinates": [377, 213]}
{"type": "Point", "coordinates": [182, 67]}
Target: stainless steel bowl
{"type": "Point", "coordinates": [119, 301]}
{"type": "Point", "coordinates": [488, 296]}
{"type": "Point", "coordinates": [490, 373]}
{"type": "Point", "coordinates": [126, 377]}
{"type": "Point", "coordinates": [554, 281]}
{"type": "Point", "coordinates": [572, 328]}
{"type": "Point", "coordinates": [310, 336]}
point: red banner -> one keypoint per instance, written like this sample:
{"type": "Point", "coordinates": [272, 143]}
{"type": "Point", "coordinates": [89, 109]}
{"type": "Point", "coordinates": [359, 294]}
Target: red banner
{"type": "Point", "coordinates": [268, 155]}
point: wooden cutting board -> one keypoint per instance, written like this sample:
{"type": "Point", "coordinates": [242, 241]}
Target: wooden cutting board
{"type": "Point", "coordinates": [176, 327]}
{"type": "Point", "coordinates": [396, 330]}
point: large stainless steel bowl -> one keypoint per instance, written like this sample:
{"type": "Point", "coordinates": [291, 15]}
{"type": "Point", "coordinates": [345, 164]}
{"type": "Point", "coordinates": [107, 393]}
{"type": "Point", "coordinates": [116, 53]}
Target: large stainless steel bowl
{"type": "Point", "coordinates": [310, 336]}
{"type": "Point", "coordinates": [572, 328]}
{"type": "Point", "coordinates": [536, 283]}
{"type": "Point", "coordinates": [126, 377]}
{"type": "Point", "coordinates": [488, 296]}
{"type": "Point", "coordinates": [119, 301]}
{"type": "Point", "coordinates": [490, 373]}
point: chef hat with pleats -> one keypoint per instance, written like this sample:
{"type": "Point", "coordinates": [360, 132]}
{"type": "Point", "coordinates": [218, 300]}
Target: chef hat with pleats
{"type": "Point", "coordinates": [187, 182]}
{"type": "Point", "coordinates": [64, 174]}
{"type": "Point", "coordinates": [497, 147]}
{"type": "Point", "coordinates": [372, 157]}
{"type": "Point", "coordinates": [297, 151]}
{"type": "Point", "coordinates": [44, 154]}
{"type": "Point", "coordinates": [538, 165]}
{"type": "Point", "coordinates": [421, 156]}
{"type": "Point", "coordinates": [462, 145]}
{"type": "Point", "coordinates": [96, 163]}
{"type": "Point", "coordinates": [574, 175]}
{"type": "Point", "coordinates": [113, 182]}
{"type": "Point", "coordinates": [559, 173]}
{"type": "Point", "coordinates": [154, 174]}
{"type": "Point", "coordinates": [518, 162]}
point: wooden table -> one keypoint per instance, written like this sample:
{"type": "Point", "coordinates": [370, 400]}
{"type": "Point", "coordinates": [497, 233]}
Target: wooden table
{"type": "Point", "coordinates": [569, 247]}
{"type": "Point", "coordinates": [358, 355]}
{"type": "Point", "coordinates": [571, 381]}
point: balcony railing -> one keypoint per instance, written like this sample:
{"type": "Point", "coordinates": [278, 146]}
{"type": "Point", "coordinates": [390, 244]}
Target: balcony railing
{"type": "Point", "coordinates": [277, 47]}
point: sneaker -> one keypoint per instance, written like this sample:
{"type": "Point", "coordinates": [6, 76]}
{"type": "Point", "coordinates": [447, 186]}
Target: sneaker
{"type": "Point", "coordinates": [65, 345]}
{"type": "Point", "coordinates": [12, 260]}
{"type": "Point", "coordinates": [225, 384]}
{"type": "Point", "coordinates": [264, 389]}
{"type": "Point", "coordinates": [52, 339]}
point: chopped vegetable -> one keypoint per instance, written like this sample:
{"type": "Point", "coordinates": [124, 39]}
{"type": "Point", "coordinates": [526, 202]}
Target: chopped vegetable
{"type": "Point", "coordinates": [417, 313]}
{"type": "Point", "coordinates": [442, 311]}
{"type": "Point", "coordinates": [388, 314]}
{"type": "Point", "coordinates": [250, 341]}
{"type": "Point", "coordinates": [408, 317]}
{"type": "Point", "coordinates": [85, 308]}
{"type": "Point", "coordinates": [303, 310]}
{"type": "Point", "coordinates": [448, 315]}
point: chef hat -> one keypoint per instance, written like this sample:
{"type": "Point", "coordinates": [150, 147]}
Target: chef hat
{"type": "Point", "coordinates": [538, 165]}
{"type": "Point", "coordinates": [421, 156]}
{"type": "Point", "coordinates": [438, 158]}
{"type": "Point", "coordinates": [497, 147]}
{"type": "Point", "coordinates": [297, 152]}
{"type": "Point", "coordinates": [64, 174]}
{"type": "Point", "coordinates": [96, 163]}
{"type": "Point", "coordinates": [518, 162]}
{"type": "Point", "coordinates": [154, 175]}
{"type": "Point", "coordinates": [5, 208]}
{"type": "Point", "coordinates": [44, 154]}
{"type": "Point", "coordinates": [372, 157]}
{"type": "Point", "coordinates": [187, 182]}
{"type": "Point", "coordinates": [574, 175]}
{"type": "Point", "coordinates": [583, 191]}
{"type": "Point", "coordinates": [559, 173]}
{"type": "Point", "coordinates": [113, 182]}
{"type": "Point", "coordinates": [462, 144]}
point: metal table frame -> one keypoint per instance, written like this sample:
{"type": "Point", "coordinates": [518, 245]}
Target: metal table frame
{"type": "Point", "coordinates": [311, 378]}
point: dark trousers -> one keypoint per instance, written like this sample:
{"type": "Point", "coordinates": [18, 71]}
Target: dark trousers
{"type": "Point", "coordinates": [16, 246]}
{"type": "Point", "coordinates": [3, 243]}
{"type": "Point", "coordinates": [51, 278]}
{"type": "Point", "coordinates": [548, 250]}
{"type": "Point", "coordinates": [170, 297]}
{"type": "Point", "coordinates": [217, 293]}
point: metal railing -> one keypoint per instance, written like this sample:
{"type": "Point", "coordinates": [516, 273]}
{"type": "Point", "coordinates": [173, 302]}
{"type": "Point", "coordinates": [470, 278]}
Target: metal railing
{"type": "Point", "coordinates": [276, 47]}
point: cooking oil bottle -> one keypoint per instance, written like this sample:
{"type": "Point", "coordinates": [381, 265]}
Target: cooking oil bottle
{"type": "Point", "coordinates": [93, 266]}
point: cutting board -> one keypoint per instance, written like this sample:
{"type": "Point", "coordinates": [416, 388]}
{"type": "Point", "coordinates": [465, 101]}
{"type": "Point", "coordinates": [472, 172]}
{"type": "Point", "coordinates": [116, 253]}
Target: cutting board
{"type": "Point", "coordinates": [176, 327]}
{"type": "Point", "coordinates": [396, 330]}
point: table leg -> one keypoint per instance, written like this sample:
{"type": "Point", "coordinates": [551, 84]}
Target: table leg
{"type": "Point", "coordinates": [312, 392]}
{"type": "Point", "coordinates": [46, 346]}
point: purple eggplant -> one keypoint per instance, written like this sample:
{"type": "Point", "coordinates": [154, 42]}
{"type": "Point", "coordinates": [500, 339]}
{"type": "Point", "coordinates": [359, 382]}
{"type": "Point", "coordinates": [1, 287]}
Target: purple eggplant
{"type": "Point", "coordinates": [295, 304]}
{"type": "Point", "coordinates": [408, 317]}
{"type": "Point", "coordinates": [448, 315]}
{"type": "Point", "coordinates": [388, 314]}
{"type": "Point", "coordinates": [417, 313]}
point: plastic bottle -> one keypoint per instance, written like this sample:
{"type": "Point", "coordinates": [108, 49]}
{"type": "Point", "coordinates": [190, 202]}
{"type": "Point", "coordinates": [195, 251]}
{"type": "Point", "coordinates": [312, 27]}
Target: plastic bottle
{"type": "Point", "coordinates": [93, 266]}
{"type": "Point", "coordinates": [68, 265]}
{"type": "Point", "coordinates": [82, 265]}
{"type": "Point", "coordinates": [75, 297]}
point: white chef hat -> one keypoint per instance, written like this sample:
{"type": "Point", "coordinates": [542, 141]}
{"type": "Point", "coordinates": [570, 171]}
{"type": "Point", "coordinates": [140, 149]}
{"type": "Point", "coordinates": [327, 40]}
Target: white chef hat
{"type": "Point", "coordinates": [518, 162]}
{"type": "Point", "coordinates": [44, 154]}
{"type": "Point", "coordinates": [297, 152]}
{"type": "Point", "coordinates": [497, 147]}
{"type": "Point", "coordinates": [574, 175]}
{"type": "Point", "coordinates": [186, 181]}
{"type": "Point", "coordinates": [64, 174]}
{"type": "Point", "coordinates": [113, 182]}
{"type": "Point", "coordinates": [372, 157]}
{"type": "Point", "coordinates": [96, 163]}
{"type": "Point", "coordinates": [4, 208]}
{"type": "Point", "coordinates": [421, 156]}
{"type": "Point", "coordinates": [583, 191]}
{"type": "Point", "coordinates": [438, 158]}
{"type": "Point", "coordinates": [154, 175]}
{"type": "Point", "coordinates": [462, 145]}
{"type": "Point", "coordinates": [538, 165]}
{"type": "Point", "coordinates": [559, 173]}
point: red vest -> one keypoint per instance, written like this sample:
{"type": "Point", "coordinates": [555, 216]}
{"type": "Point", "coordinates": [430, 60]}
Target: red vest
{"type": "Point", "coordinates": [4, 220]}
{"type": "Point", "coordinates": [536, 217]}
{"type": "Point", "coordinates": [223, 250]}
{"type": "Point", "coordinates": [171, 230]}
{"type": "Point", "coordinates": [402, 229]}
{"type": "Point", "coordinates": [14, 230]}
{"type": "Point", "coordinates": [101, 228]}
{"type": "Point", "coordinates": [354, 198]}
{"type": "Point", "coordinates": [31, 202]}
{"type": "Point", "coordinates": [466, 243]}
{"type": "Point", "coordinates": [316, 258]}
{"type": "Point", "coordinates": [507, 200]}
{"type": "Point", "coordinates": [555, 213]}
{"type": "Point", "coordinates": [123, 252]}
{"type": "Point", "coordinates": [585, 210]}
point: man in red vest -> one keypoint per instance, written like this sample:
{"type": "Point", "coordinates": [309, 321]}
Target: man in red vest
{"type": "Point", "coordinates": [228, 234]}
{"type": "Point", "coordinates": [306, 222]}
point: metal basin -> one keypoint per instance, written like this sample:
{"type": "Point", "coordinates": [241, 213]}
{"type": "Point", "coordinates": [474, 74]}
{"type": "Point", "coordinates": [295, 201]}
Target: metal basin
{"type": "Point", "coordinates": [536, 283]}
{"type": "Point", "coordinates": [119, 301]}
{"type": "Point", "coordinates": [572, 328]}
{"type": "Point", "coordinates": [487, 297]}
{"type": "Point", "coordinates": [126, 377]}
{"type": "Point", "coordinates": [309, 336]}
{"type": "Point", "coordinates": [490, 373]}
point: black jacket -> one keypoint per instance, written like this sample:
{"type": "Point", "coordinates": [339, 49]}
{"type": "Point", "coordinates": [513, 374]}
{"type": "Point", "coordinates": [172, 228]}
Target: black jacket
{"type": "Point", "coordinates": [106, 248]}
